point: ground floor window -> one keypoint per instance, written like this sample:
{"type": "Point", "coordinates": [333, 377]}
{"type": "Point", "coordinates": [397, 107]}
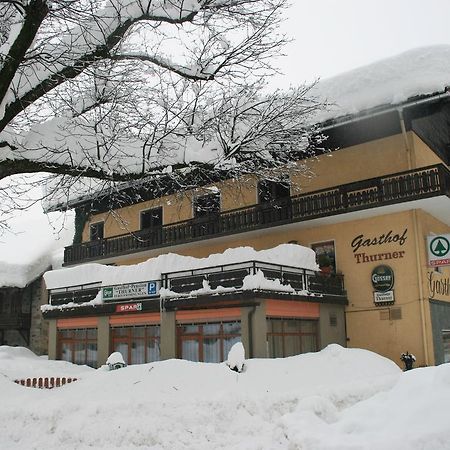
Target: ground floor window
{"type": "Point", "coordinates": [138, 345]}
{"type": "Point", "coordinates": [288, 337]}
{"type": "Point", "coordinates": [209, 342]}
{"type": "Point", "coordinates": [446, 345]}
{"type": "Point", "coordinates": [78, 346]}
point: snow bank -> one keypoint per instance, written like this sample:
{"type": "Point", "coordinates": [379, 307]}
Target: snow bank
{"type": "Point", "coordinates": [334, 399]}
{"type": "Point", "coordinates": [19, 362]}
{"type": "Point", "coordinates": [391, 81]}
{"type": "Point", "coordinates": [285, 254]}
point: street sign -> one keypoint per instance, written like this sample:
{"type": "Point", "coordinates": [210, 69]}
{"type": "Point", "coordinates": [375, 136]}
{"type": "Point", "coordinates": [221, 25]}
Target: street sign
{"type": "Point", "coordinates": [438, 250]}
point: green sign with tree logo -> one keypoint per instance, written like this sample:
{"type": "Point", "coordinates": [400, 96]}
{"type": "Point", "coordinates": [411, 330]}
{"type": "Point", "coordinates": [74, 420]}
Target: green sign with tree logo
{"type": "Point", "coordinates": [438, 250]}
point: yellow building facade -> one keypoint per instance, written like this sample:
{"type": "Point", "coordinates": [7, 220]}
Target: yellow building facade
{"type": "Point", "coordinates": [367, 207]}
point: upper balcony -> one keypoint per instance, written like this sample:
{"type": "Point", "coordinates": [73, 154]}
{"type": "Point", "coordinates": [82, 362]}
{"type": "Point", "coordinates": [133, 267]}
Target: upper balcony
{"type": "Point", "coordinates": [412, 185]}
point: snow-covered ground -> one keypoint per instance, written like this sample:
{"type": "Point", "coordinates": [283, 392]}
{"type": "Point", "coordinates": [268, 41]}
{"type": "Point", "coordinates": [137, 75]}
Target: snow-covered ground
{"type": "Point", "coordinates": [335, 399]}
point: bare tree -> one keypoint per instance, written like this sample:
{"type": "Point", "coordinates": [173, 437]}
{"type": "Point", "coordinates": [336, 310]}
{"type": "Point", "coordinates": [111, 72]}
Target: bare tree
{"type": "Point", "coordinates": [124, 89]}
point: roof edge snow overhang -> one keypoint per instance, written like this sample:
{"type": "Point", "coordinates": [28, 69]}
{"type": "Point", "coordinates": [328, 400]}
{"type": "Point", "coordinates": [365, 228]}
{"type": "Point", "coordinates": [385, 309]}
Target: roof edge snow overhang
{"type": "Point", "coordinates": [322, 127]}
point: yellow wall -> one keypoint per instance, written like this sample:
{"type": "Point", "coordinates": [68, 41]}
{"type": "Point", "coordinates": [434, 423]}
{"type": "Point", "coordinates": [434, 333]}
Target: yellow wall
{"type": "Point", "coordinates": [368, 160]}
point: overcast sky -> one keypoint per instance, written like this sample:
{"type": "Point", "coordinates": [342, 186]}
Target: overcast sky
{"type": "Point", "coordinates": [334, 36]}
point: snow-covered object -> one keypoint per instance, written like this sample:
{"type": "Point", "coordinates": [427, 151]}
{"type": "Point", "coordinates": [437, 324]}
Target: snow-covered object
{"type": "Point", "coordinates": [236, 357]}
{"type": "Point", "coordinates": [284, 254]}
{"type": "Point", "coordinates": [20, 362]}
{"type": "Point", "coordinates": [258, 281]}
{"type": "Point", "coordinates": [34, 244]}
{"type": "Point", "coordinates": [334, 399]}
{"type": "Point", "coordinates": [391, 81]}
{"type": "Point", "coordinates": [115, 361]}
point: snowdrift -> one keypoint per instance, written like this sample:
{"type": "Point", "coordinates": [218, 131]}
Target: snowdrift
{"type": "Point", "coordinates": [336, 398]}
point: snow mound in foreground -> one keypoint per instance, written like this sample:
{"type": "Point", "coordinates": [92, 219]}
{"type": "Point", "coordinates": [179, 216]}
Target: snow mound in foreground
{"type": "Point", "coordinates": [336, 398]}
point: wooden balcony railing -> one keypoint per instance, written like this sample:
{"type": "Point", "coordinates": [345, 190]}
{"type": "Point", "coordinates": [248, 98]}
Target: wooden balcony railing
{"type": "Point", "coordinates": [401, 187]}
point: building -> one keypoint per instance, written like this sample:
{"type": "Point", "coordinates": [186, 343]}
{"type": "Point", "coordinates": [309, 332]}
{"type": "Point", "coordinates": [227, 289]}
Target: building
{"type": "Point", "coordinates": [26, 252]}
{"type": "Point", "coordinates": [367, 213]}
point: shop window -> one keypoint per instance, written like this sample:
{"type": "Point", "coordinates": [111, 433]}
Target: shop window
{"type": "Point", "coordinates": [138, 345]}
{"type": "Point", "coordinates": [151, 218]}
{"type": "Point", "coordinates": [208, 342]}
{"type": "Point", "coordinates": [270, 191]}
{"type": "Point", "coordinates": [207, 205]}
{"type": "Point", "coordinates": [446, 345]}
{"type": "Point", "coordinates": [78, 346]}
{"type": "Point", "coordinates": [289, 337]}
{"type": "Point", "coordinates": [96, 231]}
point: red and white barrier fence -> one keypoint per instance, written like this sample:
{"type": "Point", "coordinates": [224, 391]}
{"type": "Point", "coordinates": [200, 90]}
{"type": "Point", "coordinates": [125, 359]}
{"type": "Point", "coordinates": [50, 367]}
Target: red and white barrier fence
{"type": "Point", "coordinates": [45, 382]}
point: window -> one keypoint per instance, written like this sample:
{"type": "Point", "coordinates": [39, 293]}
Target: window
{"type": "Point", "coordinates": [96, 231]}
{"type": "Point", "coordinates": [207, 205]}
{"type": "Point", "coordinates": [269, 191]}
{"type": "Point", "coordinates": [325, 256]}
{"type": "Point", "coordinates": [446, 345]}
{"type": "Point", "coordinates": [288, 337]}
{"type": "Point", "coordinates": [151, 218]}
{"type": "Point", "coordinates": [209, 342]}
{"type": "Point", "coordinates": [78, 346]}
{"type": "Point", "coordinates": [138, 345]}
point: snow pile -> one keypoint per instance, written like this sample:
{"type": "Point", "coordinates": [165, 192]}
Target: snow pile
{"type": "Point", "coordinates": [35, 243]}
{"type": "Point", "coordinates": [285, 254]}
{"type": "Point", "coordinates": [236, 357]}
{"type": "Point", "coordinates": [391, 81]}
{"type": "Point", "coordinates": [19, 362]}
{"type": "Point", "coordinates": [334, 399]}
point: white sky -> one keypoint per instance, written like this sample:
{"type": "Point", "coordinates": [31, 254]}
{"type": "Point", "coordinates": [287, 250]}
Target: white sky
{"type": "Point", "coordinates": [334, 36]}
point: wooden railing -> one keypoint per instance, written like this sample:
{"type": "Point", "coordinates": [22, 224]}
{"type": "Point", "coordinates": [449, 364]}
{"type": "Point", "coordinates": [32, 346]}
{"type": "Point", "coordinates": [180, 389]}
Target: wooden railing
{"type": "Point", "coordinates": [401, 187]}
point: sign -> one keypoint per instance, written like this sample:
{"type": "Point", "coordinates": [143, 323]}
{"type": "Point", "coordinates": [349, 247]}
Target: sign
{"type": "Point", "coordinates": [383, 297]}
{"type": "Point", "coordinates": [382, 278]}
{"type": "Point", "coordinates": [438, 250]}
{"type": "Point", "coordinates": [369, 243]}
{"type": "Point", "coordinates": [439, 285]}
{"type": "Point", "coordinates": [129, 307]}
{"type": "Point", "coordinates": [132, 290]}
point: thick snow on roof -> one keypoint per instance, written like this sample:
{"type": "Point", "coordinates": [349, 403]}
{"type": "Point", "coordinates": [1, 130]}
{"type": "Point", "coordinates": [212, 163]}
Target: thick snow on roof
{"type": "Point", "coordinates": [285, 254]}
{"type": "Point", "coordinates": [334, 399]}
{"type": "Point", "coordinates": [392, 81]}
{"type": "Point", "coordinates": [35, 243]}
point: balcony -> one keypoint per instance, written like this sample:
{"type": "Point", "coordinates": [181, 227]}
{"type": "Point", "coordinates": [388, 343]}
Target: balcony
{"type": "Point", "coordinates": [401, 187]}
{"type": "Point", "coordinates": [208, 287]}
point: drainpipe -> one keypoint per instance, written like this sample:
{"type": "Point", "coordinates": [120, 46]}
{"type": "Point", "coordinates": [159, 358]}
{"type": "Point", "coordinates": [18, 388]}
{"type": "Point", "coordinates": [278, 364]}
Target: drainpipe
{"type": "Point", "coordinates": [408, 149]}
{"type": "Point", "coordinates": [421, 293]}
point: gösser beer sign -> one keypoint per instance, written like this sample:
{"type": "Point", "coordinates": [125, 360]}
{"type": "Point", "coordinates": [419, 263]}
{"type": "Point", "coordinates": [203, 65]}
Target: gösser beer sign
{"type": "Point", "coordinates": [383, 283]}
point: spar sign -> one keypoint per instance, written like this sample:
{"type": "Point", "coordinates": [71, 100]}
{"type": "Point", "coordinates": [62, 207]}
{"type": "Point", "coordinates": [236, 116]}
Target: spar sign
{"type": "Point", "coordinates": [132, 290]}
{"type": "Point", "coordinates": [438, 250]}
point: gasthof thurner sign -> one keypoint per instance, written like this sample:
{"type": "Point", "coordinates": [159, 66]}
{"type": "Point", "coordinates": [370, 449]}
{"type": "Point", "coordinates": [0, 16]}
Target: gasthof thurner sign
{"type": "Point", "coordinates": [438, 250]}
{"type": "Point", "coordinates": [132, 290]}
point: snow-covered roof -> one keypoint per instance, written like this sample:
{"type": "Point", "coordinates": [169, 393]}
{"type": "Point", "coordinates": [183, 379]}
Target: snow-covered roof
{"type": "Point", "coordinates": [392, 81]}
{"type": "Point", "coordinates": [285, 254]}
{"type": "Point", "coordinates": [35, 243]}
